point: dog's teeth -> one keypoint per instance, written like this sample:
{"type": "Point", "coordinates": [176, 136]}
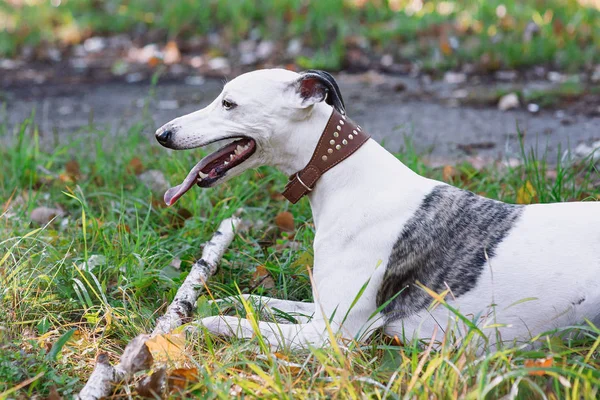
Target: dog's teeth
{"type": "Point", "coordinates": [226, 162]}
{"type": "Point", "coordinates": [202, 175]}
{"type": "Point", "coordinates": [231, 157]}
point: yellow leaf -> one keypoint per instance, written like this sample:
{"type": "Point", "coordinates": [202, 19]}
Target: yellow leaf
{"type": "Point", "coordinates": [304, 261]}
{"type": "Point", "coordinates": [180, 377]}
{"type": "Point", "coordinates": [526, 194]}
{"type": "Point", "coordinates": [167, 348]}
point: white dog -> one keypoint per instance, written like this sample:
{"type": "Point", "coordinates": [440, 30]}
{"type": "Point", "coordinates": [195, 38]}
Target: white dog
{"type": "Point", "coordinates": [384, 234]}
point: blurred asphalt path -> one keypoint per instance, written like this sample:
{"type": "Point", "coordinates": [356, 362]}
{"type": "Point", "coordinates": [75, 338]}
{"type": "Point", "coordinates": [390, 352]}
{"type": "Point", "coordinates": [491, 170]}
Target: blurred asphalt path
{"type": "Point", "coordinates": [391, 111]}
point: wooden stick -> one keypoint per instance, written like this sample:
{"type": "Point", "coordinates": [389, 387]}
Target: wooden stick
{"type": "Point", "coordinates": [136, 356]}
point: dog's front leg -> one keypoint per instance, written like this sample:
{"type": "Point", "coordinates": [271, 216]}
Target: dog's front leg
{"type": "Point", "coordinates": [277, 335]}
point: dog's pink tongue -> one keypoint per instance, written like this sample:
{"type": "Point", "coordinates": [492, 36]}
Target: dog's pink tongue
{"type": "Point", "coordinates": [173, 194]}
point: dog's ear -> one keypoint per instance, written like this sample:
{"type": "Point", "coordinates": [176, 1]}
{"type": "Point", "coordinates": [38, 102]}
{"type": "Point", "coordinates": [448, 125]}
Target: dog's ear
{"type": "Point", "coordinates": [314, 86]}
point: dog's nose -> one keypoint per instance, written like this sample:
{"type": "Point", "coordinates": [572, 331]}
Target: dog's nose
{"type": "Point", "coordinates": [164, 137]}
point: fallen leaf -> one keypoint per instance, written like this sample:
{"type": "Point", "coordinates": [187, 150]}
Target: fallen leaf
{"type": "Point", "coordinates": [304, 261]}
{"type": "Point", "coordinates": [135, 166]}
{"type": "Point", "coordinates": [263, 278]}
{"type": "Point", "coordinates": [526, 193]}
{"type": "Point", "coordinates": [167, 348]}
{"type": "Point", "coordinates": [53, 395]}
{"type": "Point", "coordinates": [73, 170]}
{"type": "Point", "coordinates": [136, 356]}
{"type": "Point", "coordinates": [445, 46]}
{"type": "Point", "coordinates": [180, 377]}
{"type": "Point", "coordinates": [154, 61]}
{"type": "Point", "coordinates": [152, 386]}
{"type": "Point", "coordinates": [65, 178]}
{"type": "Point", "coordinates": [123, 228]}
{"type": "Point", "coordinates": [292, 367]}
{"type": "Point", "coordinates": [277, 196]}
{"type": "Point", "coordinates": [448, 172]}
{"type": "Point", "coordinates": [539, 363]}
{"type": "Point", "coordinates": [285, 221]}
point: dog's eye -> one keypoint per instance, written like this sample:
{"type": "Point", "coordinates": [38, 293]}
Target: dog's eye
{"type": "Point", "coordinates": [228, 105]}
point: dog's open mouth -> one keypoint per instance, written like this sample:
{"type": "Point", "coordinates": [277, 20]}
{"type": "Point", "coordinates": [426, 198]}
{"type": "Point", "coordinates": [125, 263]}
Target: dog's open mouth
{"type": "Point", "coordinates": [213, 167]}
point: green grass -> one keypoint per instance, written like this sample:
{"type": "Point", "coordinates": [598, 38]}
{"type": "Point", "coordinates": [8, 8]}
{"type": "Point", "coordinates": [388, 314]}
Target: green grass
{"type": "Point", "coordinates": [47, 293]}
{"type": "Point", "coordinates": [490, 34]}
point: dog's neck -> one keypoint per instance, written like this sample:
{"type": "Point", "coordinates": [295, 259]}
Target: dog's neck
{"type": "Point", "coordinates": [347, 184]}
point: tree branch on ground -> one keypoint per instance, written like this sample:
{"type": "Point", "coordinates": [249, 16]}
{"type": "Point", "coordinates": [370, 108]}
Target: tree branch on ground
{"type": "Point", "coordinates": [136, 356]}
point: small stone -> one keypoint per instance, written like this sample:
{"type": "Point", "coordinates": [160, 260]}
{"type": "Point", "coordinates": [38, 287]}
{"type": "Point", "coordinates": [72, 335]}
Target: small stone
{"type": "Point", "coordinates": [460, 94]}
{"type": "Point", "coordinates": [555, 77]}
{"type": "Point", "coordinates": [177, 70]}
{"type": "Point", "coordinates": [219, 64]}
{"type": "Point", "coordinates": [248, 58]}
{"type": "Point", "coordinates": [44, 215]}
{"type": "Point", "coordinates": [134, 77]}
{"type": "Point", "coordinates": [508, 102]}
{"type": "Point", "coordinates": [265, 49]}
{"type": "Point", "coordinates": [79, 63]}
{"type": "Point", "coordinates": [195, 80]}
{"type": "Point", "coordinates": [155, 181]}
{"type": "Point", "coordinates": [197, 62]}
{"type": "Point", "coordinates": [247, 49]}
{"type": "Point", "coordinates": [65, 110]}
{"type": "Point", "coordinates": [246, 46]}
{"type": "Point", "coordinates": [512, 162]}
{"type": "Point", "coordinates": [454, 78]}
{"type": "Point", "coordinates": [583, 150]}
{"type": "Point", "coordinates": [596, 74]}
{"type": "Point", "coordinates": [387, 60]}
{"type": "Point", "coordinates": [506, 75]}
{"type": "Point", "coordinates": [94, 44]}
{"type": "Point", "coordinates": [9, 64]}
{"type": "Point", "coordinates": [54, 54]}
{"type": "Point", "coordinates": [294, 47]}
{"type": "Point", "coordinates": [168, 104]}
{"type": "Point", "coordinates": [533, 108]}
{"type": "Point", "coordinates": [148, 52]}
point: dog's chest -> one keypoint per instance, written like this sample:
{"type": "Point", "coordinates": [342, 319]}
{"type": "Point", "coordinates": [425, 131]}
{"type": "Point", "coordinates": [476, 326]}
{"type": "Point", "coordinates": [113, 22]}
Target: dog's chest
{"type": "Point", "coordinates": [445, 244]}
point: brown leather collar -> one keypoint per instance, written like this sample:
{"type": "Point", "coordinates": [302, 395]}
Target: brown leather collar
{"type": "Point", "coordinates": [339, 140]}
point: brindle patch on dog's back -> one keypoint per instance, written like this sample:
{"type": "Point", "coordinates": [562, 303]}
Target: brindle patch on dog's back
{"type": "Point", "coordinates": [445, 242]}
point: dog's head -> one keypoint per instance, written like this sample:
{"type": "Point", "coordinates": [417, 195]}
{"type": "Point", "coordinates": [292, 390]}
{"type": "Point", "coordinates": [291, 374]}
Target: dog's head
{"type": "Point", "coordinates": [263, 117]}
